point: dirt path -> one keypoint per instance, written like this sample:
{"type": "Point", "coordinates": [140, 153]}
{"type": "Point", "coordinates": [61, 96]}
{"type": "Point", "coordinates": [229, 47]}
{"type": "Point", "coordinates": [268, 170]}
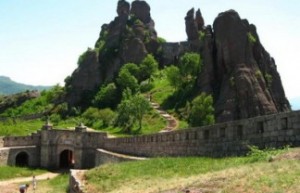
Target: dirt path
{"type": "Point", "coordinates": [11, 185]}
{"type": "Point", "coordinates": [172, 123]}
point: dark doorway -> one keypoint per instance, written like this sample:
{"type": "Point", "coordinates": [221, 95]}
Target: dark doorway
{"type": "Point", "coordinates": [22, 159]}
{"type": "Point", "coordinates": [66, 159]}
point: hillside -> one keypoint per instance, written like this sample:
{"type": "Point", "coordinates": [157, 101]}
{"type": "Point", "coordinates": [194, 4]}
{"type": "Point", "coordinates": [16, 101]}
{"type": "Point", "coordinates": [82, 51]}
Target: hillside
{"type": "Point", "coordinates": [236, 70]}
{"type": "Point", "coordinates": [8, 86]}
{"type": "Point", "coordinates": [260, 172]}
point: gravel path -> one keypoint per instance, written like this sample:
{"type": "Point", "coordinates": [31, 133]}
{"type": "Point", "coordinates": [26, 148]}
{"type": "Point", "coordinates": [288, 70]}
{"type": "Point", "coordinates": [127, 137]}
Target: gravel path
{"type": "Point", "coordinates": [12, 185]}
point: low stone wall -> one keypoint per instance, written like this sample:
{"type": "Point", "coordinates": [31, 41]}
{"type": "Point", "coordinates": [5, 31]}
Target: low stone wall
{"type": "Point", "coordinates": [33, 139]}
{"type": "Point", "coordinates": [1, 142]}
{"type": "Point", "coordinates": [4, 152]}
{"type": "Point", "coordinates": [75, 185]}
{"type": "Point", "coordinates": [103, 157]}
{"type": "Point", "coordinates": [224, 139]}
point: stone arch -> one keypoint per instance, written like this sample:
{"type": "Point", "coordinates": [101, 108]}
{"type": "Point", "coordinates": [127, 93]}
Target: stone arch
{"type": "Point", "coordinates": [66, 159]}
{"type": "Point", "coordinates": [22, 159]}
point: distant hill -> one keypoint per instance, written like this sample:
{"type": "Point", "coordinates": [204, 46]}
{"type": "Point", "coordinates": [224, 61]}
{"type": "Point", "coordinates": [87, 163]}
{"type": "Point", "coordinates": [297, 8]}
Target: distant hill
{"type": "Point", "coordinates": [295, 102]}
{"type": "Point", "coordinates": [8, 86]}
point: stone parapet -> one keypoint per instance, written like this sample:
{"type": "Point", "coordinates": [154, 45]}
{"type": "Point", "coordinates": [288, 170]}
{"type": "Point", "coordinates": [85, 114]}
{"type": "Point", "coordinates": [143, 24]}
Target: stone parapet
{"type": "Point", "coordinates": [75, 184]}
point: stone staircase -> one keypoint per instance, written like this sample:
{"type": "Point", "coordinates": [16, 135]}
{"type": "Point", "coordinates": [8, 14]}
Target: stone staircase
{"type": "Point", "coordinates": [172, 123]}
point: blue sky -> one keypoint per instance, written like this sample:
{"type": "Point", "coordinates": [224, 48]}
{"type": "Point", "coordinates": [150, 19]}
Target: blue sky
{"type": "Point", "coordinates": [40, 41]}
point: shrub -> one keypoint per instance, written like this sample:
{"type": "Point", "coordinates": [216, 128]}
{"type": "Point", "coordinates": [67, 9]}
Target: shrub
{"type": "Point", "coordinates": [201, 111]}
{"type": "Point", "coordinates": [251, 38]}
{"type": "Point", "coordinates": [106, 96]}
{"type": "Point", "coordinates": [82, 57]}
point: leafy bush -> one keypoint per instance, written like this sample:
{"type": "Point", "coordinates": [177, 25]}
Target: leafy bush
{"type": "Point", "coordinates": [201, 35]}
{"type": "Point", "coordinates": [148, 67]}
{"type": "Point", "coordinates": [201, 111]}
{"type": "Point", "coordinates": [83, 56]}
{"type": "Point", "coordinates": [268, 79]}
{"type": "Point", "coordinates": [107, 96]}
{"type": "Point", "coordinates": [161, 40]}
{"type": "Point", "coordinates": [173, 74]}
{"type": "Point", "coordinates": [146, 87]}
{"type": "Point", "coordinates": [251, 38]}
{"type": "Point", "coordinates": [98, 118]}
{"type": "Point", "coordinates": [257, 154]}
{"type": "Point", "coordinates": [126, 80]}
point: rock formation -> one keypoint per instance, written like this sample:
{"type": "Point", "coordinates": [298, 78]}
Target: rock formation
{"type": "Point", "coordinates": [128, 38]}
{"type": "Point", "coordinates": [237, 71]}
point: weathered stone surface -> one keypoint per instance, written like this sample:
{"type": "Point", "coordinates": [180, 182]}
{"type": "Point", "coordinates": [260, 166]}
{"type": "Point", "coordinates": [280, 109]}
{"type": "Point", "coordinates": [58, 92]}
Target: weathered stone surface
{"type": "Point", "coordinates": [193, 24]}
{"type": "Point", "coordinates": [134, 51]}
{"type": "Point", "coordinates": [199, 20]}
{"type": "Point", "coordinates": [191, 27]}
{"type": "Point", "coordinates": [141, 10]}
{"type": "Point", "coordinates": [84, 79]}
{"type": "Point", "coordinates": [123, 8]}
{"type": "Point", "coordinates": [241, 79]}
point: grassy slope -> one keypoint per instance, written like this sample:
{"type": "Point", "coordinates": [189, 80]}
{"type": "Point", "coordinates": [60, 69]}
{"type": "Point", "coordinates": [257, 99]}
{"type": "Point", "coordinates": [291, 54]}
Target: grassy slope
{"type": "Point", "coordinates": [23, 128]}
{"type": "Point", "coordinates": [237, 174]}
{"type": "Point", "coordinates": [58, 184]}
{"type": "Point", "coordinates": [18, 127]}
{"type": "Point", "coordinates": [8, 172]}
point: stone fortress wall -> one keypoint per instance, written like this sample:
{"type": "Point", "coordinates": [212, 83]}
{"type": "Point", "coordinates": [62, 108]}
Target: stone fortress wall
{"type": "Point", "coordinates": [225, 139]}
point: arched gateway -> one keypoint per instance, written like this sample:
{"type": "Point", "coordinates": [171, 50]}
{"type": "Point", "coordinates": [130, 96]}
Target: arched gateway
{"type": "Point", "coordinates": [22, 159]}
{"type": "Point", "coordinates": [66, 159]}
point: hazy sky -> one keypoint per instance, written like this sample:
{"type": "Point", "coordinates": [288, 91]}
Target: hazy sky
{"type": "Point", "coordinates": [40, 40]}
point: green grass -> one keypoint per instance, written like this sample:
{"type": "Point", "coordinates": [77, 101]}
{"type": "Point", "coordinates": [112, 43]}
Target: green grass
{"type": "Point", "coordinates": [23, 128]}
{"type": "Point", "coordinates": [19, 127]}
{"type": "Point", "coordinates": [8, 172]}
{"type": "Point", "coordinates": [58, 184]}
{"type": "Point", "coordinates": [162, 89]}
{"type": "Point", "coordinates": [152, 123]}
{"type": "Point", "coordinates": [111, 176]}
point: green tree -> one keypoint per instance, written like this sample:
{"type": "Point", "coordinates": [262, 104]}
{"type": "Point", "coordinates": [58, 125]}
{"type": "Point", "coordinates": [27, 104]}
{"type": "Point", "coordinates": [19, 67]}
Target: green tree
{"type": "Point", "coordinates": [140, 108]}
{"type": "Point", "coordinates": [106, 96]}
{"type": "Point", "coordinates": [184, 76]}
{"type": "Point", "coordinates": [125, 118]}
{"type": "Point", "coordinates": [201, 111]}
{"type": "Point", "coordinates": [92, 116]}
{"type": "Point", "coordinates": [148, 67]}
{"type": "Point", "coordinates": [107, 116]}
{"type": "Point", "coordinates": [173, 76]}
{"type": "Point", "coordinates": [126, 80]}
{"type": "Point", "coordinates": [132, 68]}
{"type": "Point", "coordinates": [189, 67]}
{"type": "Point", "coordinates": [131, 110]}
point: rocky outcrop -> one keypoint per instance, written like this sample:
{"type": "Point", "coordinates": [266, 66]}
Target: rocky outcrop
{"type": "Point", "coordinates": [84, 80]}
{"type": "Point", "coordinates": [246, 76]}
{"type": "Point", "coordinates": [128, 38]}
{"type": "Point", "coordinates": [194, 24]}
{"type": "Point", "coordinates": [237, 71]}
